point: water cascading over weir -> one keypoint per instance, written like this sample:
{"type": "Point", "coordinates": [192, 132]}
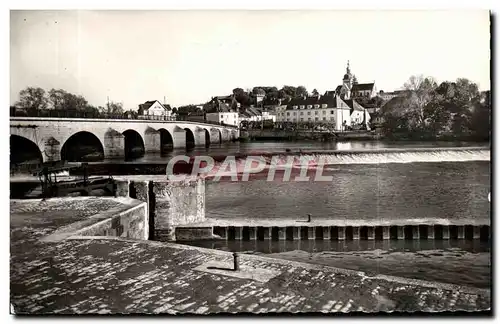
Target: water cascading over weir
{"type": "Point", "coordinates": [228, 165]}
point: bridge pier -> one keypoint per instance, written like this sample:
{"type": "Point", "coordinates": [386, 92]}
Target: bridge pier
{"type": "Point", "coordinates": [114, 144]}
{"type": "Point", "coordinates": [152, 141]}
{"type": "Point", "coordinates": [51, 150]}
{"type": "Point", "coordinates": [199, 136]}
{"type": "Point", "coordinates": [214, 136]}
{"type": "Point", "coordinates": [179, 138]}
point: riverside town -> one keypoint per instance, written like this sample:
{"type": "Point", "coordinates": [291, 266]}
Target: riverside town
{"type": "Point", "coordinates": [255, 162]}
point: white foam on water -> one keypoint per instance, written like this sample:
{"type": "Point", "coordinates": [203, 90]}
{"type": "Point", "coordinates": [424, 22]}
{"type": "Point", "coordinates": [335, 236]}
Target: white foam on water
{"type": "Point", "coordinates": [345, 158]}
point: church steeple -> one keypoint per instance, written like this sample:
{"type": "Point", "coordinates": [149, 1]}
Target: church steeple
{"type": "Point", "coordinates": [347, 76]}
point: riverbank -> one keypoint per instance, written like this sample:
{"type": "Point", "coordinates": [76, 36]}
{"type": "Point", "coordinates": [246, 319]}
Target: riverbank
{"type": "Point", "coordinates": [111, 275]}
{"type": "Point", "coordinates": [374, 135]}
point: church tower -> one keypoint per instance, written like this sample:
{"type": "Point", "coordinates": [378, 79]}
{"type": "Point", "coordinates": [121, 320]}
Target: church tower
{"type": "Point", "coordinates": [347, 84]}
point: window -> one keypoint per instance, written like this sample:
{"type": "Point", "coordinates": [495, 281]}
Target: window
{"type": "Point", "coordinates": [288, 113]}
{"type": "Point", "coordinates": [325, 105]}
{"type": "Point", "coordinates": [316, 112]}
{"type": "Point", "coordinates": [316, 119]}
{"type": "Point", "coordinates": [294, 113]}
{"type": "Point", "coordinates": [316, 106]}
{"type": "Point", "coordinates": [324, 118]}
{"type": "Point", "coordinates": [309, 113]}
{"type": "Point", "coordinates": [301, 106]}
{"type": "Point", "coordinates": [295, 107]}
{"type": "Point", "coordinates": [324, 112]}
{"type": "Point", "coordinates": [309, 106]}
{"type": "Point", "coordinates": [302, 119]}
{"type": "Point", "coordinates": [331, 112]}
{"type": "Point", "coordinates": [332, 118]}
{"type": "Point", "coordinates": [301, 113]}
{"type": "Point", "coordinates": [309, 119]}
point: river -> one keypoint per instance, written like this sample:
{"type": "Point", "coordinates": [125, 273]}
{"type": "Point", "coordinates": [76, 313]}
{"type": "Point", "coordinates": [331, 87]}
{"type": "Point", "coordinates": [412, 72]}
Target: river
{"type": "Point", "coordinates": [448, 190]}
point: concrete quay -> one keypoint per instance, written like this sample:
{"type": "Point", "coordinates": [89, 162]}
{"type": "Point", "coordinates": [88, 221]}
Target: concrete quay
{"type": "Point", "coordinates": [69, 256]}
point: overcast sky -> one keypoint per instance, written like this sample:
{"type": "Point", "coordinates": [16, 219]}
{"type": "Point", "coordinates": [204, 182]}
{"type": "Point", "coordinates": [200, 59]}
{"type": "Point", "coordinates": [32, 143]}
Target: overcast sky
{"type": "Point", "coordinates": [189, 56]}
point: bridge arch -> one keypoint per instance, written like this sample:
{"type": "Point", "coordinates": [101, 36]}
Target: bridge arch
{"type": "Point", "coordinates": [134, 144]}
{"type": "Point", "coordinates": [207, 138]}
{"type": "Point", "coordinates": [166, 140]}
{"type": "Point", "coordinates": [24, 151]}
{"type": "Point", "coordinates": [190, 143]}
{"type": "Point", "coordinates": [82, 147]}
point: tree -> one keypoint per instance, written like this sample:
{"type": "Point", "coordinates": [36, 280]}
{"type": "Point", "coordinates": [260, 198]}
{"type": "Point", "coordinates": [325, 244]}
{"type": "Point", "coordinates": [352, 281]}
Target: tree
{"type": "Point", "coordinates": [114, 108]}
{"type": "Point", "coordinates": [301, 91]}
{"type": "Point", "coordinates": [56, 98]}
{"type": "Point", "coordinates": [420, 92]}
{"type": "Point", "coordinates": [315, 92]}
{"type": "Point", "coordinates": [242, 97]}
{"type": "Point", "coordinates": [32, 99]}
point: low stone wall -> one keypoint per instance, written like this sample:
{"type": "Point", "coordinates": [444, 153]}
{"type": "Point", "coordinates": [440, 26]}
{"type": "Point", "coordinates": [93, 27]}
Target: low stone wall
{"type": "Point", "coordinates": [132, 223]}
{"type": "Point", "coordinates": [171, 202]}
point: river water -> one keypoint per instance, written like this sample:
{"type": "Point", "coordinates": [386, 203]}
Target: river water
{"type": "Point", "coordinates": [420, 186]}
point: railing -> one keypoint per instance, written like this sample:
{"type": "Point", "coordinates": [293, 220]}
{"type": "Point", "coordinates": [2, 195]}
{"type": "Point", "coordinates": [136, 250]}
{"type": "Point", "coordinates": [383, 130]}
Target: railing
{"type": "Point", "coordinates": [97, 115]}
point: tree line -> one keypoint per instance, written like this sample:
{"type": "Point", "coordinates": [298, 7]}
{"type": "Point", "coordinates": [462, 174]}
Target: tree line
{"type": "Point", "coordinates": [449, 110]}
{"type": "Point", "coordinates": [37, 101]}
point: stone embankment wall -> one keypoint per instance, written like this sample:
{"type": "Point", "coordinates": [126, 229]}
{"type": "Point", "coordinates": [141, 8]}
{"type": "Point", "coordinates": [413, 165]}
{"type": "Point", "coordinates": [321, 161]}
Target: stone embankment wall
{"type": "Point", "coordinates": [171, 202]}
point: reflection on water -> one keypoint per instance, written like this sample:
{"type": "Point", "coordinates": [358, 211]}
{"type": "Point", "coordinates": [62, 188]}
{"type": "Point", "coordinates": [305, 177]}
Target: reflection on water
{"type": "Point", "coordinates": [271, 246]}
{"type": "Point", "coordinates": [454, 261]}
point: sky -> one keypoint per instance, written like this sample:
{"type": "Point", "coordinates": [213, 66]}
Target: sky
{"type": "Point", "coordinates": [190, 56]}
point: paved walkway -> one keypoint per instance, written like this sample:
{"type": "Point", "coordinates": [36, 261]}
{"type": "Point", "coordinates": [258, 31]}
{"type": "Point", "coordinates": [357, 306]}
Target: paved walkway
{"type": "Point", "coordinates": [108, 275]}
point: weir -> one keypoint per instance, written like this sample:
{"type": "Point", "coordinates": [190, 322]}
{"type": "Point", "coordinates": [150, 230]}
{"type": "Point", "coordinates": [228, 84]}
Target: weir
{"type": "Point", "coordinates": [239, 163]}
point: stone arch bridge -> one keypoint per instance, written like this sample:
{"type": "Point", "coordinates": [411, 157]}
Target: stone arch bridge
{"type": "Point", "coordinates": [51, 134]}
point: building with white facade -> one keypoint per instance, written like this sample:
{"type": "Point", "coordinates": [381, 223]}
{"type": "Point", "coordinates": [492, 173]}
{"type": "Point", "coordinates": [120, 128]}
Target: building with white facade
{"type": "Point", "coordinates": [223, 114]}
{"type": "Point", "coordinates": [154, 108]}
{"type": "Point", "coordinates": [320, 109]}
{"type": "Point", "coordinates": [256, 114]}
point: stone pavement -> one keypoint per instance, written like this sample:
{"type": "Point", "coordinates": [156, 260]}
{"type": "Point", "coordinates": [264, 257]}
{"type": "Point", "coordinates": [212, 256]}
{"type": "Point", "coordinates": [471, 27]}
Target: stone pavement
{"type": "Point", "coordinates": [98, 275]}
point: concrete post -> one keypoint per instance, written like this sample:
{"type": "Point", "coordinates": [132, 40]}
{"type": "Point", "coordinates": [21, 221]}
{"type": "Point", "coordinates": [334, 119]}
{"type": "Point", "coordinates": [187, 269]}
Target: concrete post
{"type": "Point", "coordinates": [386, 233]}
{"type": "Point", "coordinates": [252, 233]}
{"type": "Point", "coordinates": [238, 233]}
{"type": "Point", "coordinates": [355, 232]}
{"type": "Point", "coordinates": [430, 232]}
{"type": "Point", "coordinates": [267, 233]}
{"type": "Point", "coordinates": [446, 232]}
{"type": "Point", "coordinates": [282, 233]}
{"type": "Point", "coordinates": [311, 233]}
{"type": "Point", "coordinates": [476, 232]}
{"type": "Point", "coordinates": [461, 232]}
{"type": "Point", "coordinates": [371, 232]}
{"type": "Point", "coordinates": [341, 236]}
{"type": "Point", "coordinates": [296, 233]}
{"type": "Point", "coordinates": [401, 232]}
{"type": "Point", "coordinates": [326, 233]}
{"type": "Point", "coordinates": [415, 232]}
